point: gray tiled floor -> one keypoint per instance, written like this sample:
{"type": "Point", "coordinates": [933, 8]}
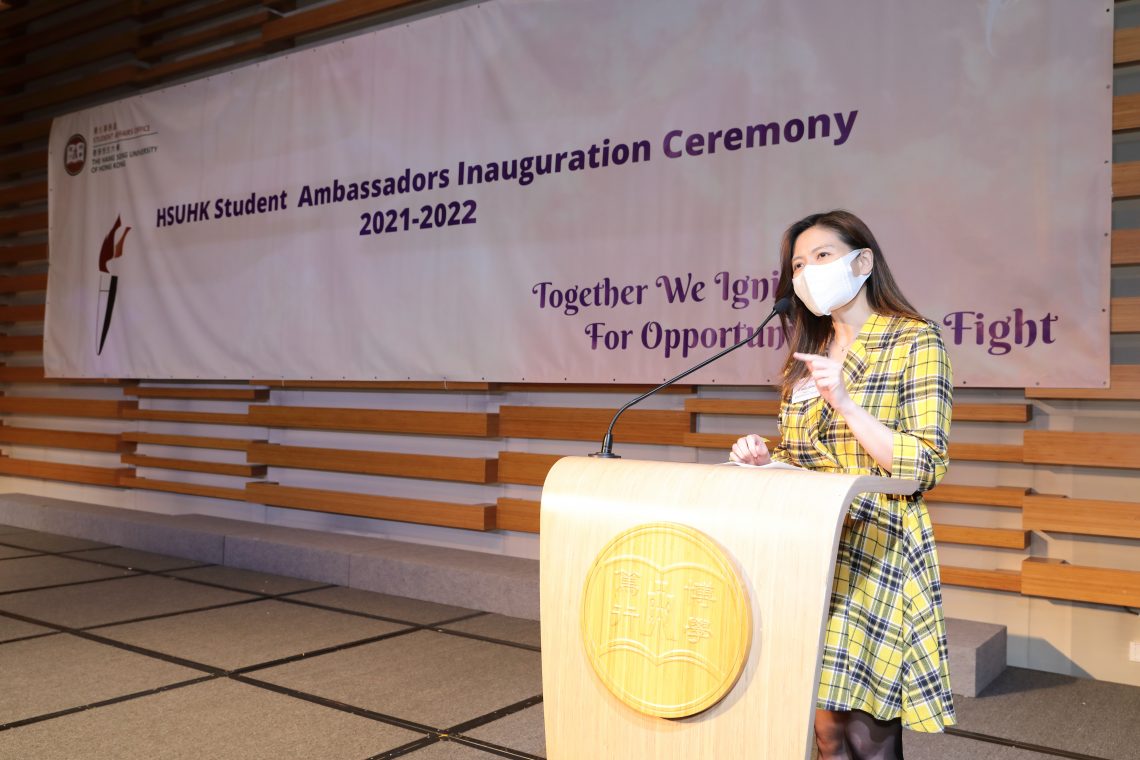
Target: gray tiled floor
{"type": "Point", "coordinates": [500, 627]}
{"type": "Point", "coordinates": [452, 751]}
{"type": "Point", "coordinates": [383, 605]}
{"type": "Point", "coordinates": [17, 629]}
{"type": "Point", "coordinates": [342, 673]}
{"type": "Point", "coordinates": [134, 559]}
{"type": "Point", "coordinates": [7, 552]}
{"type": "Point", "coordinates": [47, 542]}
{"type": "Point", "coordinates": [55, 673]}
{"type": "Point", "coordinates": [247, 580]}
{"type": "Point", "coordinates": [430, 678]}
{"type": "Point", "coordinates": [36, 572]}
{"type": "Point", "coordinates": [117, 599]}
{"type": "Point", "coordinates": [247, 634]}
{"type": "Point", "coordinates": [217, 719]}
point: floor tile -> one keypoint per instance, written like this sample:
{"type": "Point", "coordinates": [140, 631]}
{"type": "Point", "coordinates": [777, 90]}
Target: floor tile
{"type": "Point", "coordinates": [136, 560]}
{"type": "Point", "coordinates": [247, 580]}
{"type": "Point", "coordinates": [919, 746]}
{"type": "Point", "coordinates": [49, 542]}
{"type": "Point", "coordinates": [18, 629]}
{"type": "Point", "coordinates": [385, 605]}
{"type": "Point", "coordinates": [7, 552]}
{"type": "Point", "coordinates": [523, 731]}
{"type": "Point", "coordinates": [54, 673]}
{"type": "Point", "coordinates": [248, 634]}
{"type": "Point", "coordinates": [33, 572]}
{"type": "Point", "coordinates": [501, 627]}
{"type": "Point", "coordinates": [427, 677]}
{"type": "Point", "coordinates": [450, 751]}
{"type": "Point", "coordinates": [1052, 710]}
{"type": "Point", "coordinates": [118, 599]}
{"type": "Point", "coordinates": [219, 719]}
{"type": "Point", "coordinates": [9, 529]}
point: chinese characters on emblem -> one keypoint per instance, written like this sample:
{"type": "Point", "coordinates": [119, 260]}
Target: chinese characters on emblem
{"type": "Point", "coordinates": [655, 613]}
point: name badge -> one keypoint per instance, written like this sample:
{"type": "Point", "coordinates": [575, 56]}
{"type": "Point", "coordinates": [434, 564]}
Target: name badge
{"type": "Point", "coordinates": [805, 391]}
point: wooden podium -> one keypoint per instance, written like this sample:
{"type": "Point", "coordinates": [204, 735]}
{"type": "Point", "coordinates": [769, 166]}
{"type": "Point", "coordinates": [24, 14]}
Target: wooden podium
{"type": "Point", "coordinates": [694, 592]}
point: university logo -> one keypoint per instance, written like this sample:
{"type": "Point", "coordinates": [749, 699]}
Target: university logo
{"type": "Point", "coordinates": [665, 620]}
{"type": "Point", "coordinates": [108, 283]}
{"type": "Point", "coordinates": [75, 154]}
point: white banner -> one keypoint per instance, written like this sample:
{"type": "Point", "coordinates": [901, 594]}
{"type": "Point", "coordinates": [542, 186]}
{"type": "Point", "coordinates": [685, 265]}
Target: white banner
{"type": "Point", "coordinates": [591, 191]}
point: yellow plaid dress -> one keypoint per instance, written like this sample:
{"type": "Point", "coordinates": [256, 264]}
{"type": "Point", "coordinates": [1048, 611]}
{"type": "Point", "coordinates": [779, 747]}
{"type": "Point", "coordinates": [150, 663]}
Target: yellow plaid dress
{"type": "Point", "coordinates": [885, 647]}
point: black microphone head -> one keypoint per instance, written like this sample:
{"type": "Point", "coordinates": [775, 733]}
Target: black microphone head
{"type": "Point", "coordinates": [783, 306]}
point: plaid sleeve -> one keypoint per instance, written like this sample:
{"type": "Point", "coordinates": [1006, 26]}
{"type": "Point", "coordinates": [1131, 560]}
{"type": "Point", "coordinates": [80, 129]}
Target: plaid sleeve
{"type": "Point", "coordinates": [925, 401]}
{"type": "Point", "coordinates": [779, 452]}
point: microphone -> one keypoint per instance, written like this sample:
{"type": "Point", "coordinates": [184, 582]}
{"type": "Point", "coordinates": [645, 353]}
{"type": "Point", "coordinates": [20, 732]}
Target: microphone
{"type": "Point", "coordinates": [783, 306]}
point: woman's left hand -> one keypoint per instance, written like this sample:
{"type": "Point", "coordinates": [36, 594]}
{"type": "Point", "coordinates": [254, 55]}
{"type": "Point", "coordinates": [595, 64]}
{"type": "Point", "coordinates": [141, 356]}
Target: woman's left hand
{"type": "Point", "coordinates": [828, 376]}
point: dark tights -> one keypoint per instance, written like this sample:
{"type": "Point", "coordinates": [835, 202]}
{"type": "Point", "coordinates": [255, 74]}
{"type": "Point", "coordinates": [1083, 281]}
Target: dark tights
{"type": "Point", "coordinates": [856, 735]}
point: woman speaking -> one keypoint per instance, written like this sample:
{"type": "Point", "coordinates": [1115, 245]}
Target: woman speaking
{"type": "Point", "coordinates": [867, 390]}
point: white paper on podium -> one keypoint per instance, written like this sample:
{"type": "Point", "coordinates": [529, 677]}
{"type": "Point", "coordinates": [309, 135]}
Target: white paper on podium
{"type": "Point", "coordinates": [769, 466]}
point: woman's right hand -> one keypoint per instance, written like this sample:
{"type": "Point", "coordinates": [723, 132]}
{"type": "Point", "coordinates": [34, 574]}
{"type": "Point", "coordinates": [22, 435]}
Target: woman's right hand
{"type": "Point", "coordinates": [750, 449]}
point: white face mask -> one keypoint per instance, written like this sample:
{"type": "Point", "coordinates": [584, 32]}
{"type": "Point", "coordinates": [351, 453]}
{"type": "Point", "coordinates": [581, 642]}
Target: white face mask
{"type": "Point", "coordinates": [824, 287]}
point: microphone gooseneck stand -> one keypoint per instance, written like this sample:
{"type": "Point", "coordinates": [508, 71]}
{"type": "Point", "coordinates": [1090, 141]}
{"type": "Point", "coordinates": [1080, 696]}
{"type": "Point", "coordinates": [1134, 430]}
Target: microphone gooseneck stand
{"type": "Point", "coordinates": [607, 452]}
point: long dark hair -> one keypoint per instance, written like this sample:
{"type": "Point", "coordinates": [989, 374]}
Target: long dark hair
{"type": "Point", "coordinates": [808, 333]}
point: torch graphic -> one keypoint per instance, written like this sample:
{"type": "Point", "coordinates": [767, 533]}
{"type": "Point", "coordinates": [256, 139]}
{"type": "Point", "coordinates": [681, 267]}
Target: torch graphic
{"type": "Point", "coordinates": [108, 283]}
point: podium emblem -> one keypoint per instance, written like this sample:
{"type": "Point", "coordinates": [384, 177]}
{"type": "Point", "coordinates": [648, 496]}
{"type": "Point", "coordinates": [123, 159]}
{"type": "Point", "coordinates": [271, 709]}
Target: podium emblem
{"type": "Point", "coordinates": [665, 620]}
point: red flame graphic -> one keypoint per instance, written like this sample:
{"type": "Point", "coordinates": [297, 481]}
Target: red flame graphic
{"type": "Point", "coordinates": [111, 249]}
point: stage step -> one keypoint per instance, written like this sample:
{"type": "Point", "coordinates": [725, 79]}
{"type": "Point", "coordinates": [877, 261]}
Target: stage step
{"type": "Point", "coordinates": [490, 582]}
{"type": "Point", "coordinates": [977, 655]}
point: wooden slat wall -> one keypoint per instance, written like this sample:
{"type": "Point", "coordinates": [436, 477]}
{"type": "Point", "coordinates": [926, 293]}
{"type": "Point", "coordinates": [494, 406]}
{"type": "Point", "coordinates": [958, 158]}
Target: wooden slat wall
{"type": "Point", "coordinates": [239, 437]}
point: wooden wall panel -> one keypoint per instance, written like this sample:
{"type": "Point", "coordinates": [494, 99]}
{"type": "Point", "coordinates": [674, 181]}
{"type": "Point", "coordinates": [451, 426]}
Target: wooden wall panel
{"type": "Point", "coordinates": [1090, 517]}
{"type": "Point", "coordinates": [204, 418]}
{"type": "Point", "coordinates": [421, 466]}
{"type": "Point", "coordinates": [989, 580]}
{"type": "Point", "coordinates": [187, 489]}
{"type": "Point", "coordinates": [998, 538]}
{"type": "Point", "coordinates": [180, 43]}
{"type": "Point", "coordinates": [63, 439]}
{"type": "Point", "coordinates": [991, 496]}
{"type": "Point", "coordinates": [23, 313]}
{"type": "Point", "coordinates": [12, 20]}
{"type": "Point", "coordinates": [1119, 450]}
{"type": "Point", "coordinates": [92, 50]}
{"type": "Point", "coordinates": [190, 441]}
{"type": "Point", "coordinates": [14, 344]}
{"type": "Point", "coordinates": [470, 516]}
{"type": "Point", "coordinates": [103, 15]}
{"type": "Point", "coordinates": [1125, 313]}
{"type": "Point", "coordinates": [24, 132]}
{"type": "Point", "coordinates": [1125, 113]}
{"type": "Point", "coordinates": [36, 375]}
{"type": "Point", "coordinates": [19, 164]}
{"type": "Point", "coordinates": [65, 407]}
{"type": "Point", "coordinates": [517, 514]}
{"type": "Point", "coordinates": [207, 394]}
{"type": "Point", "coordinates": [476, 424]}
{"type": "Point", "coordinates": [104, 81]}
{"type": "Point", "coordinates": [763, 407]}
{"type": "Point", "coordinates": [71, 473]}
{"type": "Point", "coordinates": [26, 282]}
{"type": "Point", "coordinates": [326, 16]}
{"type": "Point", "coordinates": [525, 469]}
{"type": "Point", "coordinates": [1126, 46]}
{"type": "Point", "coordinates": [1126, 243]}
{"type": "Point", "coordinates": [1058, 580]}
{"type": "Point", "coordinates": [193, 465]}
{"type": "Point", "coordinates": [573, 424]}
